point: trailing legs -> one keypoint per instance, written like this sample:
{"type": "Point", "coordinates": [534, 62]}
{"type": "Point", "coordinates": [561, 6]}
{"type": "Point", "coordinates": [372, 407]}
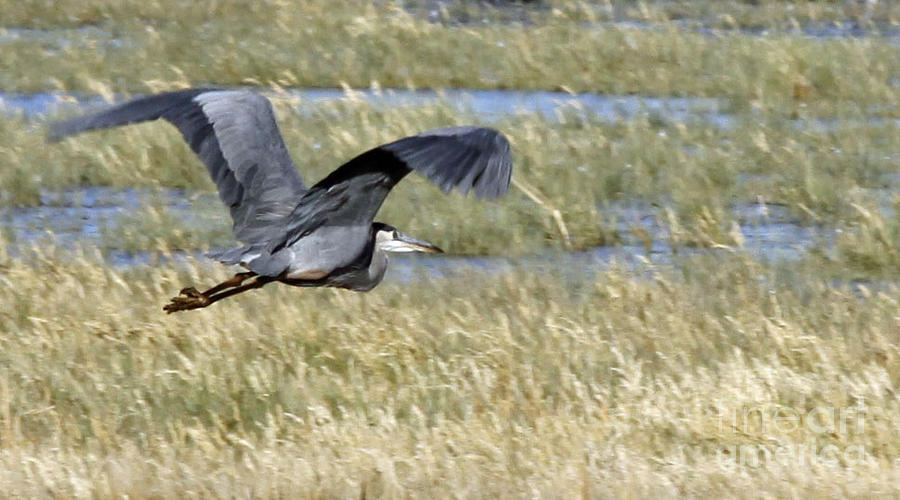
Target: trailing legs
{"type": "Point", "coordinates": [190, 298]}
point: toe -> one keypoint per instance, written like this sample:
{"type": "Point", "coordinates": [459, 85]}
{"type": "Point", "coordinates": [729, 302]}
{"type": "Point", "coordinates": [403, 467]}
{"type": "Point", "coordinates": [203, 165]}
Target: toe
{"type": "Point", "coordinates": [190, 299]}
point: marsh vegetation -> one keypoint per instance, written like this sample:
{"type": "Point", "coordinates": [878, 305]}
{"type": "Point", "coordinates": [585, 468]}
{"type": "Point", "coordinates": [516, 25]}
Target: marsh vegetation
{"type": "Point", "coordinates": [675, 370]}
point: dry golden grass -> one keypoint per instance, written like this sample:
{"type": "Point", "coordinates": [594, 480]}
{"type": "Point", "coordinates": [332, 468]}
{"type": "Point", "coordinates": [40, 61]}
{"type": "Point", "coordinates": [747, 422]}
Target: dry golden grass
{"type": "Point", "coordinates": [715, 376]}
{"type": "Point", "coordinates": [510, 384]}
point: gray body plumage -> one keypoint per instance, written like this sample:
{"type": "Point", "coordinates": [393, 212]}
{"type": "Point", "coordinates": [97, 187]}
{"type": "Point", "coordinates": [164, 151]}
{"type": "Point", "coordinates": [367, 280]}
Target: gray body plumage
{"type": "Point", "coordinates": [322, 235]}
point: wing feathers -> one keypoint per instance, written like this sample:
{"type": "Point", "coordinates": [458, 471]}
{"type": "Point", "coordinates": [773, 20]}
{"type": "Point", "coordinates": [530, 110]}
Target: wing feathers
{"type": "Point", "coordinates": [459, 157]}
{"type": "Point", "coordinates": [450, 156]}
{"type": "Point", "coordinates": [235, 135]}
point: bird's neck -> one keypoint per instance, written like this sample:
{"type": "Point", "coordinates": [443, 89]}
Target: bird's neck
{"type": "Point", "coordinates": [378, 265]}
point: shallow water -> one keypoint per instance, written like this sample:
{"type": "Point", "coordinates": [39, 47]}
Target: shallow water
{"type": "Point", "coordinates": [487, 104]}
{"type": "Point", "coordinates": [82, 216]}
{"type": "Point", "coordinates": [496, 104]}
{"type": "Point", "coordinates": [490, 106]}
{"type": "Point", "coordinates": [61, 38]}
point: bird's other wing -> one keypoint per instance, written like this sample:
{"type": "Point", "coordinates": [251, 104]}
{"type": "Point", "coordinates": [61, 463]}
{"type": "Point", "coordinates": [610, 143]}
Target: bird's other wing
{"type": "Point", "coordinates": [234, 133]}
{"type": "Point", "coordinates": [465, 158]}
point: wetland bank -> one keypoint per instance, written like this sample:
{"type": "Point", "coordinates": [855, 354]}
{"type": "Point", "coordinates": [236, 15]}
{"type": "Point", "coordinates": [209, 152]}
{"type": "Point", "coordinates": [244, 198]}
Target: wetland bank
{"type": "Point", "coordinates": [733, 255]}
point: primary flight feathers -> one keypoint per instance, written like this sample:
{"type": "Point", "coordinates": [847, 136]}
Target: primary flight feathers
{"type": "Point", "coordinates": [235, 135]}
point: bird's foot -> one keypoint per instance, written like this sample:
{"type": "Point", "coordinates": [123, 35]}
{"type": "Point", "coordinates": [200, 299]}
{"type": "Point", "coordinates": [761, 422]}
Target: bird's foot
{"type": "Point", "coordinates": [189, 299]}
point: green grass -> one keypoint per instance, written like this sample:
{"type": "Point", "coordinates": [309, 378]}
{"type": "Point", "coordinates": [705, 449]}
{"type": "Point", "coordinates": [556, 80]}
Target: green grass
{"type": "Point", "coordinates": [870, 244]}
{"type": "Point", "coordinates": [745, 14]}
{"type": "Point", "coordinates": [165, 45]}
{"type": "Point", "coordinates": [160, 228]}
{"type": "Point", "coordinates": [691, 175]}
{"type": "Point", "coordinates": [607, 385]}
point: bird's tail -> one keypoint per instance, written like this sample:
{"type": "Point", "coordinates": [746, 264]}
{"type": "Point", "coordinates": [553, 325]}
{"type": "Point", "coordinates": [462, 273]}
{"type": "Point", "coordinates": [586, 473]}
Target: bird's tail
{"type": "Point", "coordinates": [231, 256]}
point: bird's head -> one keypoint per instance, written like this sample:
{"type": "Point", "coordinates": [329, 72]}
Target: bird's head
{"type": "Point", "coordinates": [388, 239]}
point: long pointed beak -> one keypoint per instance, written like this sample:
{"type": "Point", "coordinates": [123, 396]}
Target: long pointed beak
{"type": "Point", "coordinates": [404, 243]}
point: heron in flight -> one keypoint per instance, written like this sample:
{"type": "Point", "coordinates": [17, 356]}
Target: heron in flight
{"type": "Point", "coordinates": [324, 235]}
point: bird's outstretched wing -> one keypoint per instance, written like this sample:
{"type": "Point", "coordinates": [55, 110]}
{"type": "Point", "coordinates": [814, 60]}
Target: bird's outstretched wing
{"type": "Point", "coordinates": [235, 135]}
{"type": "Point", "coordinates": [465, 158]}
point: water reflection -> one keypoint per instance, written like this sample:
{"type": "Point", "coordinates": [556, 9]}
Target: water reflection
{"type": "Point", "coordinates": [82, 216]}
{"type": "Point", "coordinates": [487, 104]}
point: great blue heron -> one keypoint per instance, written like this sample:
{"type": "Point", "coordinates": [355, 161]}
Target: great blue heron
{"type": "Point", "coordinates": [322, 235]}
